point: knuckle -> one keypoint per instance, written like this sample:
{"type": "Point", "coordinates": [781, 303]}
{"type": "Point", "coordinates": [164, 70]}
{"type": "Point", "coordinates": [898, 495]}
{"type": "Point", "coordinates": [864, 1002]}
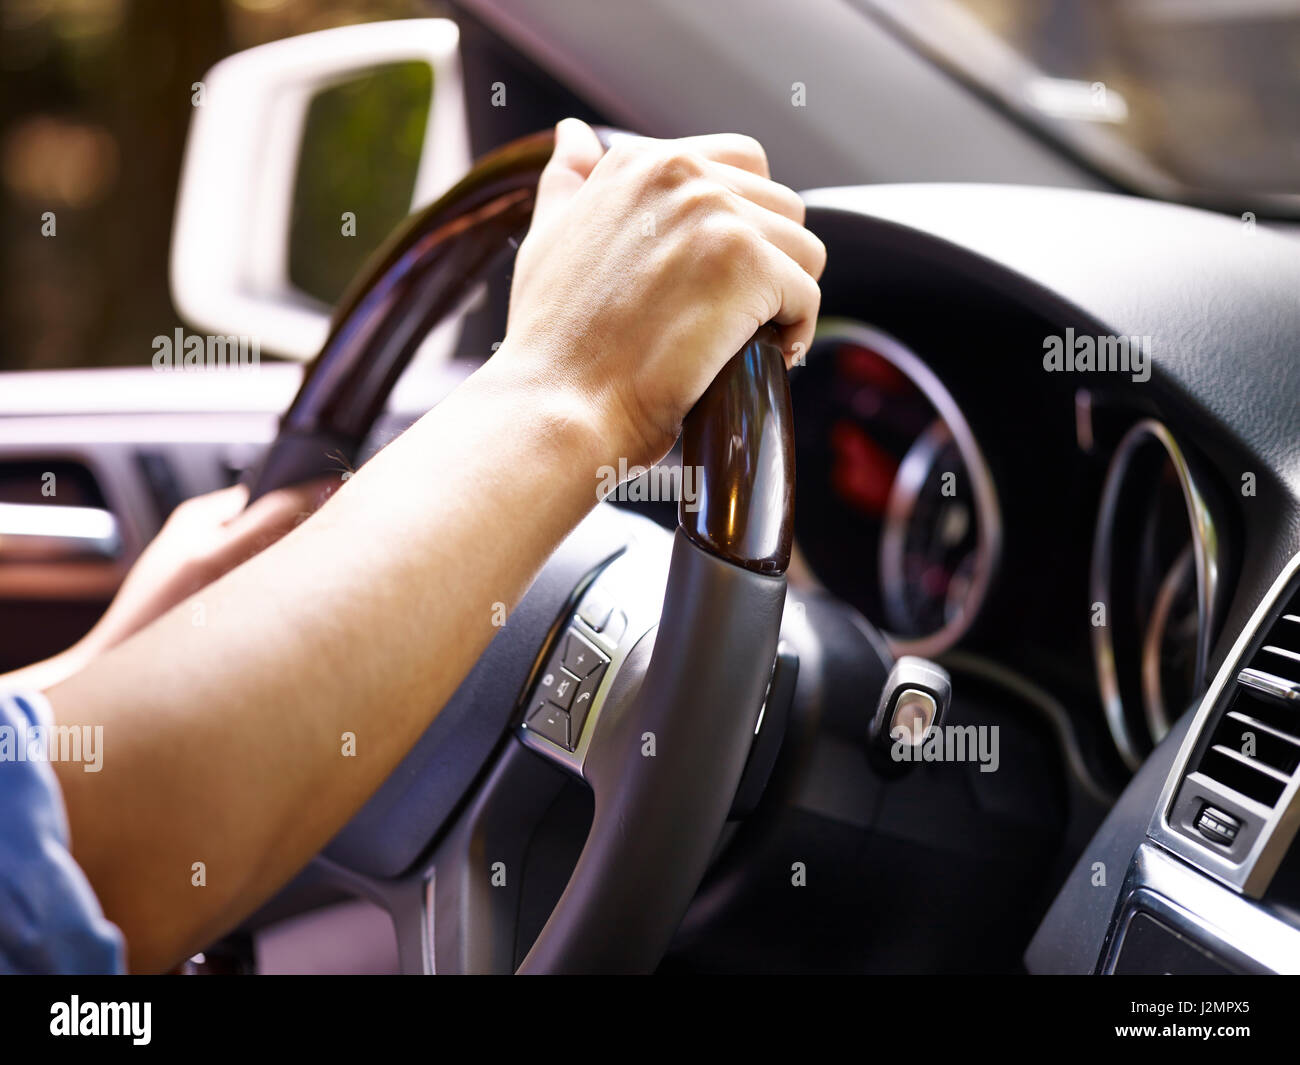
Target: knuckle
{"type": "Point", "coordinates": [749, 149]}
{"type": "Point", "coordinates": [676, 167]}
{"type": "Point", "coordinates": [733, 245]}
{"type": "Point", "coordinates": [701, 197]}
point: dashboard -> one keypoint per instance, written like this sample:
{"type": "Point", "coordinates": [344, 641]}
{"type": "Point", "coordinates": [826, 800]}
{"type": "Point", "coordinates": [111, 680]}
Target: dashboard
{"type": "Point", "coordinates": [1119, 540]}
{"type": "Point", "coordinates": [1112, 541]}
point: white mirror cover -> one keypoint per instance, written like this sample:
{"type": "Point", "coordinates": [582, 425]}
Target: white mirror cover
{"type": "Point", "coordinates": [229, 253]}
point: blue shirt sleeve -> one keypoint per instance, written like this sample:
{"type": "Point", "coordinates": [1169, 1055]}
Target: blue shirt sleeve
{"type": "Point", "coordinates": [50, 920]}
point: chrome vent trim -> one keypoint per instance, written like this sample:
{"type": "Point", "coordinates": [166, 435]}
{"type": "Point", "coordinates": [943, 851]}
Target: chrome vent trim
{"type": "Point", "coordinates": [1244, 696]}
{"type": "Point", "coordinates": [1269, 684]}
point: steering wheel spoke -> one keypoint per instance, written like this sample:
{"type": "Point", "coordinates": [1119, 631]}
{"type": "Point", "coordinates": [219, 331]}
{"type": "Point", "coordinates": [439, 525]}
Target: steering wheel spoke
{"type": "Point", "coordinates": [585, 655]}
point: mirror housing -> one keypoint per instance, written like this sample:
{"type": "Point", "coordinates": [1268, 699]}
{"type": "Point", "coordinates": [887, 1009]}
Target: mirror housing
{"type": "Point", "coordinates": [230, 238]}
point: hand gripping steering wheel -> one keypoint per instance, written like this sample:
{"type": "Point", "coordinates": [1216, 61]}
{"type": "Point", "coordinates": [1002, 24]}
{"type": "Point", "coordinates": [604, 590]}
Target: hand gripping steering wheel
{"type": "Point", "coordinates": [695, 703]}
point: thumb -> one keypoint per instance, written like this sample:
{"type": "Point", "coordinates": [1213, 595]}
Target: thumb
{"type": "Point", "coordinates": [577, 151]}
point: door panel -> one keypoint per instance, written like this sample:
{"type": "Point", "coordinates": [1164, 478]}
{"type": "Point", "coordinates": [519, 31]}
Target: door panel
{"type": "Point", "coordinates": [125, 446]}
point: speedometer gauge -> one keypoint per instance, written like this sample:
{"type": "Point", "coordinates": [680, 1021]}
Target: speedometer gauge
{"type": "Point", "coordinates": [896, 510]}
{"type": "Point", "coordinates": [1157, 561]}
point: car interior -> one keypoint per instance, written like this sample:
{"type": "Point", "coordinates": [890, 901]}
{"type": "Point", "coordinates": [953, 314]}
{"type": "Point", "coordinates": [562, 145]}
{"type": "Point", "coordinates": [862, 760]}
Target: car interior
{"type": "Point", "coordinates": [1037, 480]}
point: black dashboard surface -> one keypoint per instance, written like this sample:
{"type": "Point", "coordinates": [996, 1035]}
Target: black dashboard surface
{"type": "Point", "coordinates": [1218, 300]}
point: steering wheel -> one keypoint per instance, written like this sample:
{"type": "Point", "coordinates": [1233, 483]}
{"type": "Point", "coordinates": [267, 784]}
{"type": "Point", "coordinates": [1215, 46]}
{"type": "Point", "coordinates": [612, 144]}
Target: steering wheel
{"type": "Point", "coordinates": [666, 738]}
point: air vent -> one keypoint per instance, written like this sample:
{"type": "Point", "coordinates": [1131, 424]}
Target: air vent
{"type": "Point", "coordinates": [1275, 667]}
{"type": "Point", "coordinates": [1230, 806]}
{"type": "Point", "coordinates": [1255, 748]}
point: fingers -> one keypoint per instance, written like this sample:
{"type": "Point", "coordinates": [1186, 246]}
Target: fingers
{"type": "Point", "coordinates": [577, 151]}
{"type": "Point", "coordinates": [210, 510]}
{"type": "Point", "coordinates": [733, 160]}
{"type": "Point", "coordinates": [277, 512]}
{"type": "Point", "coordinates": [696, 170]}
{"type": "Point", "coordinates": [797, 298]}
{"type": "Point", "coordinates": [732, 149]}
{"type": "Point", "coordinates": [737, 164]}
{"type": "Point", "coordinates": [794, 255]}
{"type": "Point", "coordinates": [768, 194]}
{"type": "Point", "coordinates": [786, 234]}
{"type": "Point", "coordinates": [727, 176]}
{"type": "Point", "coordinates": [263, 523]}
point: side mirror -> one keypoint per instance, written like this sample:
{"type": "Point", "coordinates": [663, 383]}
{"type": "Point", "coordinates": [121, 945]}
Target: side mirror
{"type": "Point", "coordinates": [303, 154]}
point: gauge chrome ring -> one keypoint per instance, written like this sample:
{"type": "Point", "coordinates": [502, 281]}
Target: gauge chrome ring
{"type": "Point", "coordinates": [1205, 555]}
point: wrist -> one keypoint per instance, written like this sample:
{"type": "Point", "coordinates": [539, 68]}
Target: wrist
{"type": "Point", "coordinates": [556, 423]}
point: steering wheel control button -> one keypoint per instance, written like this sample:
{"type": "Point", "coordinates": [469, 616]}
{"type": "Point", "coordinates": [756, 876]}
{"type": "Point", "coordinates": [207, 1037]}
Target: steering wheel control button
{"type": "Point", "coordinates": [580, 657]}
{"type": "Point", "coordinates": [596, 609]}
{"type": "Point", "coordinates": [614, 628]}
{"type": "Point", "coordinates": [582, 701]}
{"type": "Point", "coordinates": [1214, 824]}
{"type": "Point", "coordinates": [566, 690]}
{"type": "Point", "coordinates": [558, 686]}
{"type": "Point", "coordinates": [550, 721]}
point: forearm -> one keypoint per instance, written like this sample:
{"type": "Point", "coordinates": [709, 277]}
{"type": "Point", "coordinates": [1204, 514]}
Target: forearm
{"type": "Point", "coordinates": [49, 671]}
{"type": "Point", "coordinates": [224, 741]}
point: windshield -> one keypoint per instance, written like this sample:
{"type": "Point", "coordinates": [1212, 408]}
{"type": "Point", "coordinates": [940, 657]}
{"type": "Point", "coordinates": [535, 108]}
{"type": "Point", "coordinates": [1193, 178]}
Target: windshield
{"type": "Point", "coordinates": [1189, 99]}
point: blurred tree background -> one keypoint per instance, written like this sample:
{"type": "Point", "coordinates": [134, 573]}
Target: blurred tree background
{"type": "Point", "coordinates": [95, 101]}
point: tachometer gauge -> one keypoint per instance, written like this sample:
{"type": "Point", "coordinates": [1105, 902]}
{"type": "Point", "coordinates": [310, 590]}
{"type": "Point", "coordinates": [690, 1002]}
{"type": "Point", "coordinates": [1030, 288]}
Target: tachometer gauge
{"type": "Point", "coordinates": [1156, 573]}
{"type": "Point", "coordinates": [896, 510]}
